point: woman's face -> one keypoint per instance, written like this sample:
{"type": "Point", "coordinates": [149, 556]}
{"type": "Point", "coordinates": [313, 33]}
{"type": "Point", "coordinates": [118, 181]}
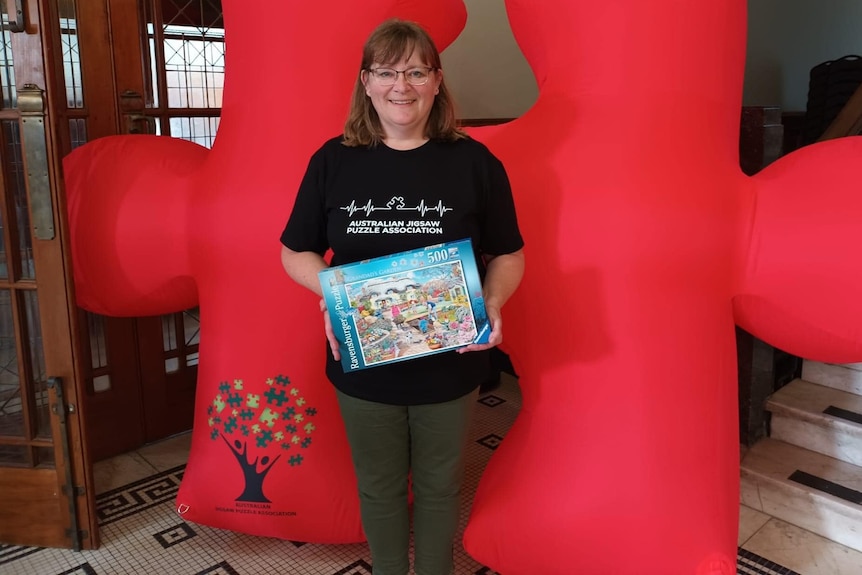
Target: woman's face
{"type": "Point", "coordinates": [403, 108]}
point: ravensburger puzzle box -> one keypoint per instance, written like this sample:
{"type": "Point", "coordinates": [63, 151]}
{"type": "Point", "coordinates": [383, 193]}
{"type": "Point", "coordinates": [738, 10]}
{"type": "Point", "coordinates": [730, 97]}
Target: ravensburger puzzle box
{"type": "Point", "coordinates": [406, 305]}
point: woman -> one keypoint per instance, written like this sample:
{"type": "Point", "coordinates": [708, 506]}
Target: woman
{"type": "Point", "coordinates": [407, 177]}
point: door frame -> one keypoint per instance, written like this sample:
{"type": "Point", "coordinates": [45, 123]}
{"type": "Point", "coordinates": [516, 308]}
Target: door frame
{"type": "Point", "coordinates": [45, 506]}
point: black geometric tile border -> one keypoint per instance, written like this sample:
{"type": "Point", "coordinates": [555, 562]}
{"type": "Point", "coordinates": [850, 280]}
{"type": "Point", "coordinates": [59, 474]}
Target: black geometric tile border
{"type": "Point", "coordinates": [9, 553]}
{"type": "Point", "coordinates": [134, 498]}
{"type": "Point", "coordinates": [222, 568]}
{"type": "Point", "coordinates": [491, 441]}
{"type": "Point", "coordinates": [174, 535]}
{"type": "Point", "coordinates": [358, 568]}
{"type": "Point", "coordinates": [492, 401]}
{"type": "Point", "coordinates": [748, 563]}
{"type": "Point", "coordinates": [83, 569]}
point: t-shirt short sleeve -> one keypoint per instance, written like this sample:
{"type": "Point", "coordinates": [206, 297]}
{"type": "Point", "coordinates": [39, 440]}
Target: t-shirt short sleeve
{"type": "Point", "coordinates": [305, 230]}
{"type": "Point", "coordinates": [500, 232]}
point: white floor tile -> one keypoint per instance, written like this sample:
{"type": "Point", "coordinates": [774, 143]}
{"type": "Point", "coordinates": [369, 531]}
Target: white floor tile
{"type": "Point", "coordinates": [141, 532]}
{"type": "Point", "coordinates": [121, 470]}
{"type": "Point", "coordinates": [803, 551]}
{"type": "Point", "coordinates": [750, 522]}
{"type": "Point", "coordinates": [168, 453]}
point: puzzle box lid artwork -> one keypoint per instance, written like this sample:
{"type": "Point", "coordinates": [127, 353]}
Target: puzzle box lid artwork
{"type": "Point", "coordinates": [406, 305]}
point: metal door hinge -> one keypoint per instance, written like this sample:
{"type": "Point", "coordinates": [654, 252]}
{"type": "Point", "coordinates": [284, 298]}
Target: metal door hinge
{"type": "Point", "coordinates": [78, 491]}
{"type": "Point", "coordinates": [31, 103]}
{"type": "Point", "coordinates": [81, 535]}
{"type": "Point", "coordinates": [70, 408]}
{"type": "Point", "coordinates": [16, 22]}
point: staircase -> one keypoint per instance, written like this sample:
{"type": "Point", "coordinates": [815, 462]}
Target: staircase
{"type": "Point", "coordinates": [809, 471]}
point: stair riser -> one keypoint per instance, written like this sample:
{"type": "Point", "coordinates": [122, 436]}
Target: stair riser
{"type": "Point", "coordinates": [845, 378]}
{"type": "Point", "coordinates": [836, 442]}
{"type": "Point", "coordinates": [801, 506]}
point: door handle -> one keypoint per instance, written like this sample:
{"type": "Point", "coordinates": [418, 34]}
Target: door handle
{"type": "Point", "coordinates": [59, 409]}
{"type": "Point", "coordinates": [132, 107]}
{"type": "Point", "coordinates": [16, 17]}
{"type": "Point", "coordinates": [134, 124]}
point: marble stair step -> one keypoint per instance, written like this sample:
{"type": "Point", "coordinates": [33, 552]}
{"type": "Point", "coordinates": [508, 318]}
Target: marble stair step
{"type": "Point", "coordinates": [807, 489]}
{"type": "Point", "coordinates": [818, 418]}
{"type": "Point", "coordinates": [844, 377]}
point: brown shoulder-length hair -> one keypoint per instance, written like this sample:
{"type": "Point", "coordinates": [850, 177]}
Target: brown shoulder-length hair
{"type": "Point", "coordinates": [389, 43]}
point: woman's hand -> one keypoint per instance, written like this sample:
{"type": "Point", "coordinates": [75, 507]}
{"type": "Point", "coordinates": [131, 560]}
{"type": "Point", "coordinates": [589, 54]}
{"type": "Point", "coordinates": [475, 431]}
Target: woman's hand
{"type": "Point", "coordinates": [504, 273]}
{"type": "Point", "coordinates": [496, 337]}
{"type": "Point", "coordinates": [330, 334]}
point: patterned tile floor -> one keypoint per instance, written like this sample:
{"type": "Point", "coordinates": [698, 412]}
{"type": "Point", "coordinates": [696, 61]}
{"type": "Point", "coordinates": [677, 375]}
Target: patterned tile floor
{"type": "Point", "coordinates": [141, 533]}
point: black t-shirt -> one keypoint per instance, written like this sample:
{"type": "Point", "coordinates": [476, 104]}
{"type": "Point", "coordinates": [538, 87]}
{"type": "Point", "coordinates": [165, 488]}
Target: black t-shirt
{"type": "Point", "coordinates": [365, 202]}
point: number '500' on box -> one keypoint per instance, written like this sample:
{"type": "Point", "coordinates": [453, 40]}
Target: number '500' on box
{"type": "Point", "coordinates": [406, 305]}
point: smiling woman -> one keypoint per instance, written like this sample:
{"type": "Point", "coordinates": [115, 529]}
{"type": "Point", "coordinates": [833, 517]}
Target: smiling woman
{"type": "Point", "coordinates": [401, 98]}
{"type": "Point", "coordinates": [402, 152]}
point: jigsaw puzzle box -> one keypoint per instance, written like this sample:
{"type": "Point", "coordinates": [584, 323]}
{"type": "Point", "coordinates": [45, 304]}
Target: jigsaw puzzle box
{"type": "Point", "coordinates": [406, 305]}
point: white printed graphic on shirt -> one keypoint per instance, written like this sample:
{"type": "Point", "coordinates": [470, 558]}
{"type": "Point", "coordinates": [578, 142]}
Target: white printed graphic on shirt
{"type": "Point", "coordinates": [396, 204]}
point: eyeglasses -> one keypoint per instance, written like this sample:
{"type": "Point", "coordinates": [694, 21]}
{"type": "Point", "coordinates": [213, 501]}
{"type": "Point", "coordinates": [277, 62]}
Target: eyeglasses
{"type": "Point", "coordinates": [415, 76]}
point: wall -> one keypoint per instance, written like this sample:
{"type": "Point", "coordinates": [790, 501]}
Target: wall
{"type": "Point", "coordinates": [789, 37]}
{"type": "Point", "coordinates": [491, 79]}
{"type": "Point", "coordinates": [484, 67]}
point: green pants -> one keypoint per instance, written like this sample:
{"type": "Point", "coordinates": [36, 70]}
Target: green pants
{"type": "Point", "coordinates": [387, 442]}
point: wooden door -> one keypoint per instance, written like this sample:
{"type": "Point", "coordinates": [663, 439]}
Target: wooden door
{"type": "Point", "coordinates": [46, 494]}
{"type": "Point", "coordinates": [161, 73]}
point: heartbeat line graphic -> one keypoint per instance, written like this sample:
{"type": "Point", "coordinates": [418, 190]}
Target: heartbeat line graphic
{"type": "Point", "coordinates": [423, 208]}
{"type": "Point", "coordinates": [396, 204]}
{"type": "Point", "coordinates": [368, 208]}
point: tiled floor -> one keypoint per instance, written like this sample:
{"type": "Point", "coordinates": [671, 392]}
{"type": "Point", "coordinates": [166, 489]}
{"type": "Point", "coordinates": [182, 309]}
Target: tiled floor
{"type": "Point", "coordinates": [141, 533]}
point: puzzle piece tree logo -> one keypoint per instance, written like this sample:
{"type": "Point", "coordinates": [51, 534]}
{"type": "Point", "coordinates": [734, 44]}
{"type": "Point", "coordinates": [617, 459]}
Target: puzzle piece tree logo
{"type": "Point", "coordinates": [254, 425]}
